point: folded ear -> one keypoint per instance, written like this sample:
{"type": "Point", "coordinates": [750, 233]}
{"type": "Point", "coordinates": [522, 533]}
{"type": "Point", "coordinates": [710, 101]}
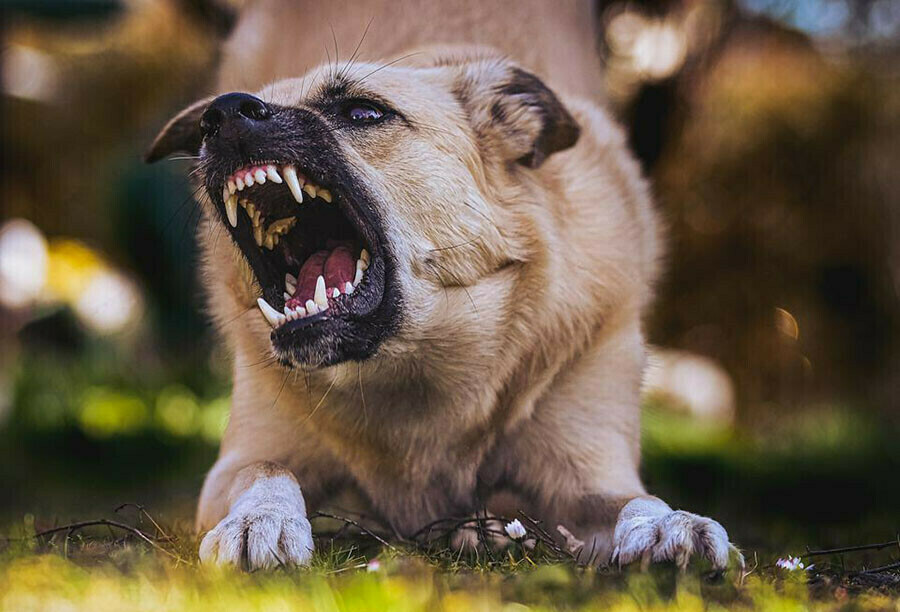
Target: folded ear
{"type": "Point", "coordinates": [515, 114]}
{"type": "Point", "coordinates": [181, 134]}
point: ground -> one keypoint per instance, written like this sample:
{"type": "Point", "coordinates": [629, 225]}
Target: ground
{"type": "Point", "coordinates": [823, 482]}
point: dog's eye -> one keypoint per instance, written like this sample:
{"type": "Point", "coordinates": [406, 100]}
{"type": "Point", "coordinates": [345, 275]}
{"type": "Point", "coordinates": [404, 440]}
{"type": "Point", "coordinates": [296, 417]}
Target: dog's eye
{"type": "Point", "coordinates": [362, 112]}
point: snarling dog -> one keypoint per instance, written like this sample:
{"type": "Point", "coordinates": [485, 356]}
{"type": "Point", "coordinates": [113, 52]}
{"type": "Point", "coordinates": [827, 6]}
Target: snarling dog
{"type": "Point", "coordinates": [431, 275]}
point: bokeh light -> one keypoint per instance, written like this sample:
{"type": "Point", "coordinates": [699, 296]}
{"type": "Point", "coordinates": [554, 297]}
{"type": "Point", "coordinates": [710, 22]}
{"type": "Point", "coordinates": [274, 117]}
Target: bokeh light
{"type": "Point", "coordinates": [23, 263]}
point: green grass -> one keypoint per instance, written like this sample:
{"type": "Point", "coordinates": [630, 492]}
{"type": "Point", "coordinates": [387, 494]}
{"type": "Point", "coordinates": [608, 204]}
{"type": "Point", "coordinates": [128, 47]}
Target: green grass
{"type": "Point", "coordinates": [100, 576]}
{"type": "Point", "coordinates": [100, 568]}
{"type": "Point", "coordinates": [821, 478]}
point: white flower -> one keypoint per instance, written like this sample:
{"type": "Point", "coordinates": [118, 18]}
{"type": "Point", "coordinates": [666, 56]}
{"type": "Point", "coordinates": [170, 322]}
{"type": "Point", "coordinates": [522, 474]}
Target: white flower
{"type": "Point", "coordinates": [790, 564]}
{"type": "Point", "coordinates": [373, 566]}
{"type": "Point", "coordinates": [515, 530]}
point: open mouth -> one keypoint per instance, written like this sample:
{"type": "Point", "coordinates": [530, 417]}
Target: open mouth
{"type": "Point", "coordinates": [308, 245]}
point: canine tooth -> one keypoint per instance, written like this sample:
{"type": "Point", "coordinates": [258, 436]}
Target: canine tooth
{"type": "Point", "coordinates": [231, 210]}
{"type": "Point", "coordinates": [272, 173]}
{"type": "Point", "coordinates": [290, 279]}
{"type": "Point", "coordinates": [248, 179]}
{"type": "Point", "coordinates": [225, 194]}
{"type": "Point", "coordinates": [291, 287]}
{"type": "Point", "coordinates": [231, 186]}
{"type": "Point", "coordinates": [311, 307]}
{"type": "Point", "coordinates": [269, 241]}
{"type": "Point", "coordinates": [348, 288]}
{"type": "Point", "coordinates": [293, 183]}
{"type": "Point", "coordinates": [274, 317]}
{"type": "Point", "coordinates": [310, 189]}
{"type": "Point", "coordinates": [358, 278]}
{"type": "Point", "coordinates": [325, 195]}
{"type": "Point", "coordinates": [321, 297]}
{"type": "Point", "coordinates": [259, 176]}
{"type": "Point", "coordinates": [334, 292]}
{"type": "Point", "coordinates": [239, 182]}
{"type": "Point", "coordinates": [286, 296]}
{"type": "Point", "coordinates": [361, 265]}
{"type": "Point", "coordinates": [364, 255]}
{"type": "Point", "coordinates": [258, 234]}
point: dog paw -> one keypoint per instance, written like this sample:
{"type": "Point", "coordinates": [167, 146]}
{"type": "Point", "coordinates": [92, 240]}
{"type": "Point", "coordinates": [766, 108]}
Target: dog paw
{"type": "Point", "coordinates": [649, 530]}
{"type": "Point", "coordinates": [261, 531]}
{"type": "Point", "coordinates": [471, 536]}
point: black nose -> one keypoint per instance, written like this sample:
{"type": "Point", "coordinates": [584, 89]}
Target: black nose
{"type": "Point", "coordinates": [232, 107]}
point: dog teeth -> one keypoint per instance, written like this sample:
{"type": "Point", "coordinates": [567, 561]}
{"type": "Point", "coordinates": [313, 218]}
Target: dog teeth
{"type": "Point", "coordinates": [272, 173]}
{"type": "Point", "coordinates": [334, 292]}
{"type": "Point", "coordinates": [258, 234]}
{"type": "Point", "coordinates": [239, 182]}
{"type": "Point", "coordinates": [293, 183]}
{"type": "Point", "coordinates": [274, 317]}
{"type": "Point", "coordinates": [248, 179]}
{"type": "Point", "coordinates": [310, 189]}
{"type": "Point", "coordinates": [325, 195]}
{"type": "Point", "coordinates": [286, 296]}
{"type": "Point", "coordinates": [311, 307]}
{"type": "Point", "coordinates": [348, 288]}
{"type": "Point", "coordinates": [232, 187]}
{"type": "Point", "coordinates": [259, 176]}
{"type": "Point", "coordinates": [359, 274]}
{"type": "Point", "coordinates": [321, 296]}
{"type": "Point", "coordinates": [364, 255]}
{"type": "Point", "coordinates": [290, 283]}
{"type": "Point", "coordinates": [231, 204]}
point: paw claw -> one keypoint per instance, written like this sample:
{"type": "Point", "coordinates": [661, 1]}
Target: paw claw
{"type": "Point", "coordinates": [650, 531]}
{"type": "Point", "coordinates": [262, 539]}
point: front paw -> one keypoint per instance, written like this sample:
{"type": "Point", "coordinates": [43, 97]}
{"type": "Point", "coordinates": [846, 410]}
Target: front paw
{"type": "Point", "coordinates": [649, 530]}
{"type": "Point", "coordinates": [265, 528]}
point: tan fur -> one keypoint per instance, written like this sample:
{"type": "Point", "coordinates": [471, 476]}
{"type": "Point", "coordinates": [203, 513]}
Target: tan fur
{"type": "Point", "coordinates": [518, 363]}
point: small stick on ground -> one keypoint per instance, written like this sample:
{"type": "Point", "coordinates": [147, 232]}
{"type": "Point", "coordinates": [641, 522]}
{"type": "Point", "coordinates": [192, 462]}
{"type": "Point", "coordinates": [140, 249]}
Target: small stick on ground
{"type": "Point", "coordinates": [372, 534]}
{"type": "Point", "coordinates": [160, 531]}
{"type": "Point", "coordinates": [846, 549]}
{"type": "Point", "coordinates": [73, 527]}
{"type": "Point", "coordinates": [877, 570]}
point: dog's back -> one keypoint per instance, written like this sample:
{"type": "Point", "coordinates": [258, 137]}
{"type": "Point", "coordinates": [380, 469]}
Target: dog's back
{"type": "Point", "coordinates": [275, 39]}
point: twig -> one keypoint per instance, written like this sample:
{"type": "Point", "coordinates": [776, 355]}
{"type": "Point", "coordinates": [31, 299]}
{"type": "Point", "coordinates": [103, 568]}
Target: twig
{"type": "Point", "coordinates": [546, 538]}
{"type": "Point", "coordinates": [142, 510]}
{"type": "Point", "coordinates": [835, 551]}
{"type": "Point", "coordinates": [72, 527]}
{"type": "Point", "coordinates": [372, 534]}
{"type": "Point", "coordinates": [876, 570]}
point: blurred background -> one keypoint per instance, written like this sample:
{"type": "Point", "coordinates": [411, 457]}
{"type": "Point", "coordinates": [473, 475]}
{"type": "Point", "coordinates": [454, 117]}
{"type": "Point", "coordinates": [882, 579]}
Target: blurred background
{"type": "Point", "coordinates": [770, 130]}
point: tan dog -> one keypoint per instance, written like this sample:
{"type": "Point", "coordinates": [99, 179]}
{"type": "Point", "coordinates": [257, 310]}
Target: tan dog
{"type": "Point", "coordinates": [432, 279]}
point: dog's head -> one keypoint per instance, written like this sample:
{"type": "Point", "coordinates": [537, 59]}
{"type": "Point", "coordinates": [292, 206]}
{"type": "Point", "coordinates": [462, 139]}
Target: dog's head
{"type": "Point", "coordinates": [357, 197]}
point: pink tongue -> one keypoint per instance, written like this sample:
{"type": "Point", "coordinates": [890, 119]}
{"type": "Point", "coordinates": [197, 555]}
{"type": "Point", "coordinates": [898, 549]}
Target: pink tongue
{"type": "Point", "coordinates": [339, 268]}
{"type": "Point", "coordinates": [309, 273]}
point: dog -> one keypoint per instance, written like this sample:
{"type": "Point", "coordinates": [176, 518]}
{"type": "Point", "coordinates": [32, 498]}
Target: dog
{"type": "Point", "coordinates": [431, 268]}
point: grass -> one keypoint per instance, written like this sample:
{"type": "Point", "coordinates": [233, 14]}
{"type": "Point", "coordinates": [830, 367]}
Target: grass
{"type": "Point", "coordinates": [823, 480]}
{"type": "Point", "coordinates": [100, 572]}
{"type": "Point", "coordinates": [137, 564]}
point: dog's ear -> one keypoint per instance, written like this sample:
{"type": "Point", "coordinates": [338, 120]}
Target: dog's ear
{"type": "Point", "coordinates": [515, 114]}
{"type": "Point", "coordinates": [180, 135]}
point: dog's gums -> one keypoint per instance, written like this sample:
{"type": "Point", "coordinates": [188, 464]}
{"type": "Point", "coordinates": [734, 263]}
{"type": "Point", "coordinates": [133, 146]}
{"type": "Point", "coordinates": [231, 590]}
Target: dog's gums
{"type": "Point", "coordinates": [324, 257]}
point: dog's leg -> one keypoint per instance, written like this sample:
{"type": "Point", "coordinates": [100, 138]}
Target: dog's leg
{"type": "Point", "coordinates": [266, 524]}
{"type": "Point", "coordinates": [578, 454]}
